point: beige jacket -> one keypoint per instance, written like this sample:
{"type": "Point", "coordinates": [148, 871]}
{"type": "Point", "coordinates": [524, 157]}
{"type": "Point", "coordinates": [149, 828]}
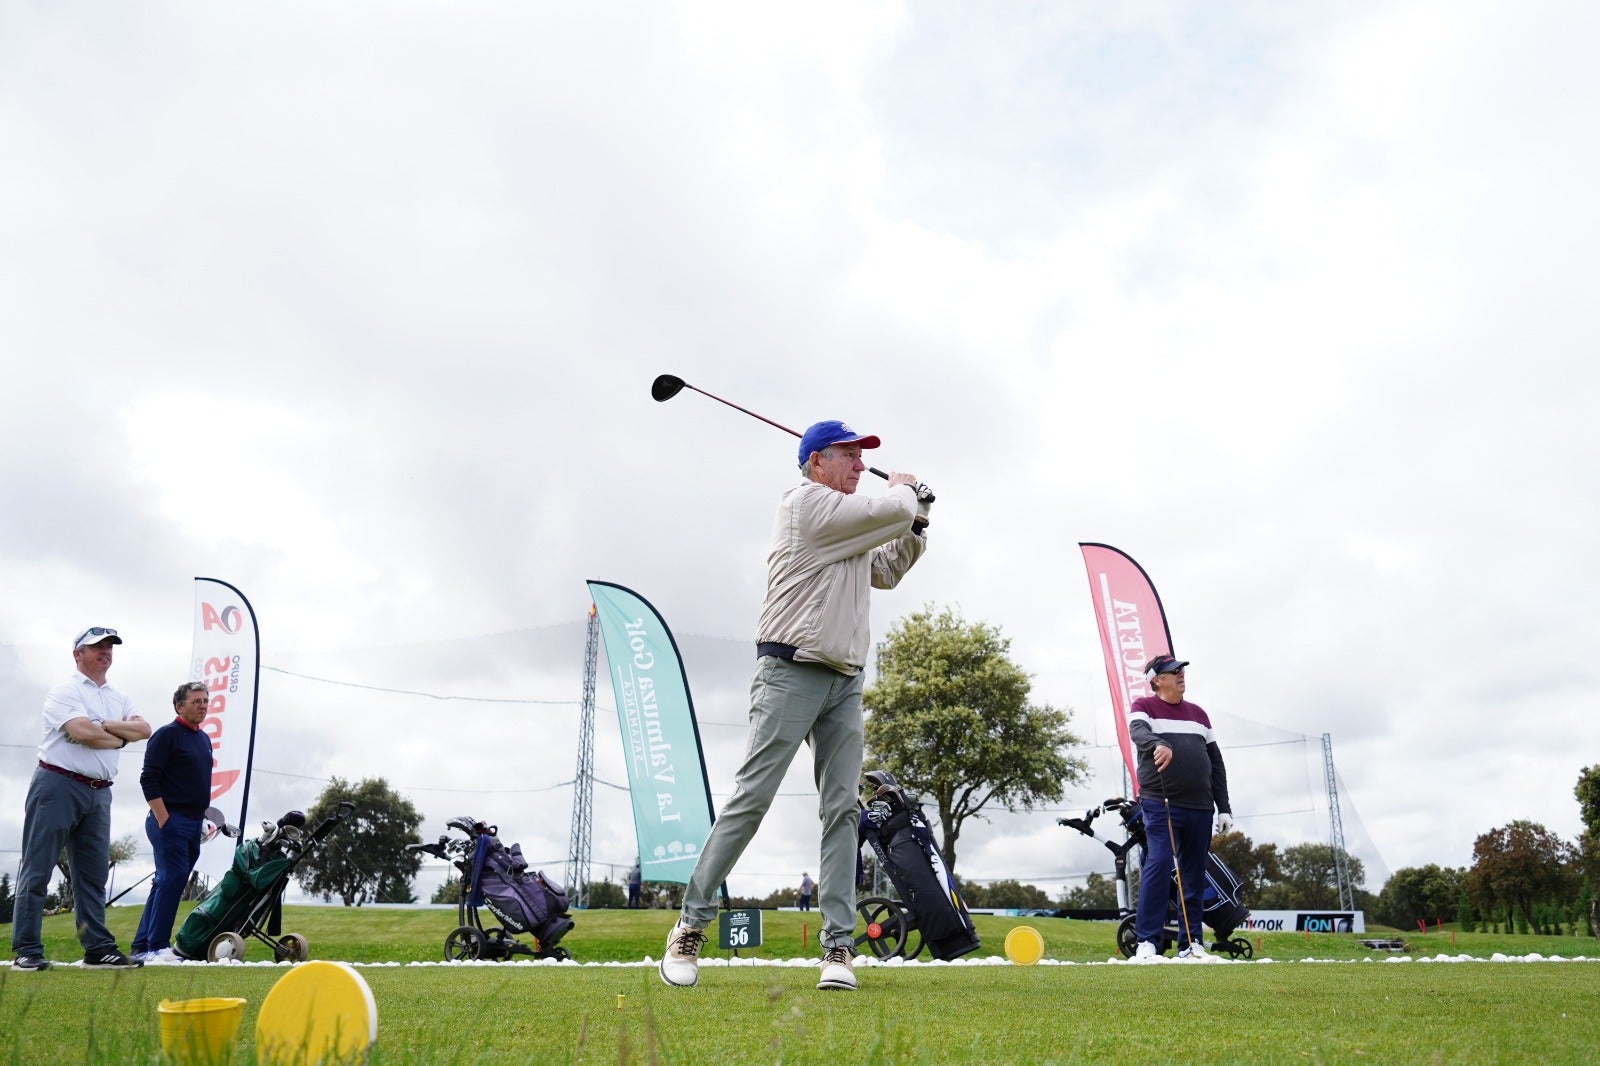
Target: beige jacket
{"type": "Point", "coordinates": [829, 549]}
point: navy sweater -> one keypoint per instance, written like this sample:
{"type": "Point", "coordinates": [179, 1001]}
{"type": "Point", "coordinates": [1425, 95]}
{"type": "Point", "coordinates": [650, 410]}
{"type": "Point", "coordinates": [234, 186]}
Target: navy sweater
{"type": "Point", "coordinates": [177, 768]}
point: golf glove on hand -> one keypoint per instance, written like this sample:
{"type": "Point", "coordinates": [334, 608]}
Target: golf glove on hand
{"type": "Point", "coordinates": [1224, 822]}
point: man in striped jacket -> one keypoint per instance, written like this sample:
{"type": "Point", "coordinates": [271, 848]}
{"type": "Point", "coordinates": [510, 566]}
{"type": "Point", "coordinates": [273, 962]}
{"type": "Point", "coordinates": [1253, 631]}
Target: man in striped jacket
{"type": "Point", "coordinates": [1181, 781]}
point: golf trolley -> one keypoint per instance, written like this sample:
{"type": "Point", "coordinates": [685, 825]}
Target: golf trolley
{"type": "Point", "coordinates": [1220, 906]}
{"type": "Point", "coordinates": [247, 901]}
{"type": "Point", "coordinates": [497, 877]}
{"type": "Point", "coordinates": [929, 912]}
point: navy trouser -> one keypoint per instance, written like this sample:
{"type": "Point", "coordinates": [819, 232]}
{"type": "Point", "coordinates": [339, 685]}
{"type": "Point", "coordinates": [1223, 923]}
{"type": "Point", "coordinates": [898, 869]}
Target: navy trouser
{"type": "Point", "coordinates": [177, 848]}
{"type": "Point", "coordinates": [1191, 829]}
{"type": "Point", "coordinates": [61, 813]}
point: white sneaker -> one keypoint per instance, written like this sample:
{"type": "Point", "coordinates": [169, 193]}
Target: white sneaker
{"type": "Point", "coordinates": [1196, 951]}
{"type": "Point", "coordinates": [161, 957]}
{"type": "Point", "coordinates": [680, 966]}
{"type": "Point", "coordinates": [1145, 950]}
{"type": "Point", "coordinates": [836, 972]}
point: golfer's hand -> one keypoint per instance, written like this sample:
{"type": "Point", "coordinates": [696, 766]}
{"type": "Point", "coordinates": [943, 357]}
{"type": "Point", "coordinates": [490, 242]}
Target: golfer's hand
{"type": "Point", "coordinates": [1162, 756]}
{"type": "Point", "coordinates": [1224, 823]}
{"type": "Point", "coordinates": [896, 478]}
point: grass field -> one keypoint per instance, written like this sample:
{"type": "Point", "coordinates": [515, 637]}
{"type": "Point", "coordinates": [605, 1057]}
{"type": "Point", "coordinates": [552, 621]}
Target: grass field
{"type": "Point", "coordinates": [1338, 1008]}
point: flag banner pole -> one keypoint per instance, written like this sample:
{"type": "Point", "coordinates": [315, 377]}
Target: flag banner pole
{"type": "Point", "coordinates": [667, 778]}
{"type": "Point", "coordinates": [1133, 630]}
{"type": "Point", "coordinates": [227, 660]}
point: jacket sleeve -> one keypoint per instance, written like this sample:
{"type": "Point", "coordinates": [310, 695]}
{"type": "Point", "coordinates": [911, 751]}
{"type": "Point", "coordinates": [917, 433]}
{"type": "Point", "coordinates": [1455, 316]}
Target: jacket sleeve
{"type": "Point", "coordinates": [1219, 779]}
{"type": "Point", "coordinates": [838, 525]}
{"type": "Point", "coordinates": [156, 754]}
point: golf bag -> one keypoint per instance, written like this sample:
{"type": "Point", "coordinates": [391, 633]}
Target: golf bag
{"type": "Point", "coordinates": [497, 877]}
{"type": "Point", "coordinates": [893, 825]}
{"type": "Point", "coordinates": [526, 901]}
{"type": "Point", "coordinates": [246, 902]}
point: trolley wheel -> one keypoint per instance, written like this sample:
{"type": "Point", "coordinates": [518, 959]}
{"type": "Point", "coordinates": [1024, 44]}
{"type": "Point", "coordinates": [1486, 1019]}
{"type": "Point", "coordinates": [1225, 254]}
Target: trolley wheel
{"type": "Point", "coordinates": [464, 942]}
{"type": "Point", "coordinates": [886, 927]}
{"type": "Point", "coordinates": [1238, 947]}
{"type": "Point", "coordinates": [225, 946]}
{"type": "Point", "coordinates": [1127, 939]}
{"type": "Point", "coordinates": [559, 953]}
{"type": "Point", "coordinates": [293, 948]}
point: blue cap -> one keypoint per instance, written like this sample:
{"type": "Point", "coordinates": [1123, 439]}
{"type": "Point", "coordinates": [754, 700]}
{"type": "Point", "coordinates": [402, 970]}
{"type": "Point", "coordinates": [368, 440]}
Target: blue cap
{"type": "Point", "coordinates": [822, 434]}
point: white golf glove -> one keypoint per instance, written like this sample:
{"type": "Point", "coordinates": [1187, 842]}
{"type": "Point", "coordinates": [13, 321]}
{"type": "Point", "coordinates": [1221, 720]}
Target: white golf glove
{"type": "Point", "coordinates": [1224, 822]}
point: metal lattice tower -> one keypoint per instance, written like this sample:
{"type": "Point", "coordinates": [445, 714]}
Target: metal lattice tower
{"type": "Point", "coordinates": [583, 781]}
{"type": "Point", "coordinates": [1341, 869]}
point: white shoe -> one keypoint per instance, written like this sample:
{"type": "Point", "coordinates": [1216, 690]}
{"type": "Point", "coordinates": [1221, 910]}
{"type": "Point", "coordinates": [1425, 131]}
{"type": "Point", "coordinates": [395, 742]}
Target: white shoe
{"type": "Point", "coordinates": [1145, 950]}
{"type": "Point", "coordinates": [836, 972]}
{"type": "Point", "coordinates": [1196, 951]}
{"type": "Point", "coordinates": [161, 957]}
{"type": "Point", "coordinates": [680, 966]}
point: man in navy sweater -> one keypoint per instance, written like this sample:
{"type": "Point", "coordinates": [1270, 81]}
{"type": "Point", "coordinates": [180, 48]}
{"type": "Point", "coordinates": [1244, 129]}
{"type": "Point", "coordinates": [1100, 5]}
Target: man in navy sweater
{"type": "Point", "coordinates": [177, 784]}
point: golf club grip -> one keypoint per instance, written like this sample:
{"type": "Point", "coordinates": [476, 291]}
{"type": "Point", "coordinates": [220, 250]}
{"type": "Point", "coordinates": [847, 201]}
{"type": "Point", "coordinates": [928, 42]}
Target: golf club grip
{"type": "Point", "coordinates": [880, 473]}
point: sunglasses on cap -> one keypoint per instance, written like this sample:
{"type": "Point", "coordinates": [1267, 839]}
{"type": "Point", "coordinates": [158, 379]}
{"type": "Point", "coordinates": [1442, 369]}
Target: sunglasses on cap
{"type": "Point", "coordinates": [94, 635]}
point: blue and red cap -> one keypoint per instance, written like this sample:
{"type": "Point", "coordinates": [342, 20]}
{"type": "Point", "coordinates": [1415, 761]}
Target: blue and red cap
{"type": "Point", "coordinates": [822, 434]}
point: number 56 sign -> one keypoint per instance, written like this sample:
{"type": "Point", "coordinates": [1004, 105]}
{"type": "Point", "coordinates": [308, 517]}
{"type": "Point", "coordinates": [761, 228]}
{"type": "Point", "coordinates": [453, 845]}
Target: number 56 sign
{"type": "Point", "coordinates": [739, 929]}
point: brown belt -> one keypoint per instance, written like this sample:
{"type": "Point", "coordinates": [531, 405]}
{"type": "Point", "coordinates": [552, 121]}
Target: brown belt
{"type": "Point", "coordinates": [92, 782]}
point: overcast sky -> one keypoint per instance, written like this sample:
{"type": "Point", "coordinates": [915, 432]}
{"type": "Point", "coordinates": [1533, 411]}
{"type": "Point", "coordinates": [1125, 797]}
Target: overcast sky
{"type": "Point", "coordinates": [357, 307]}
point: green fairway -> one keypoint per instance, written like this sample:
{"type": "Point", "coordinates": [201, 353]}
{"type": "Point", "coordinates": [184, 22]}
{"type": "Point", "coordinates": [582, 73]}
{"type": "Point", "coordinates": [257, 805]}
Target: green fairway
{"type": "Point", "coordinates": [1290, 1010]}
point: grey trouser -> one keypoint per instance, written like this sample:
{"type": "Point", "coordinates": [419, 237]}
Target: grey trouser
{"type": "Point", "coordinates": [63, 812]}
{"type": "Point", "coordinates": [788, 702]}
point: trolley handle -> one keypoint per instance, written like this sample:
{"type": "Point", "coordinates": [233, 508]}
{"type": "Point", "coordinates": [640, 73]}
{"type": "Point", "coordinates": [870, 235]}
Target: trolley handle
{"type": "Point", "coordinates": [344, 809]}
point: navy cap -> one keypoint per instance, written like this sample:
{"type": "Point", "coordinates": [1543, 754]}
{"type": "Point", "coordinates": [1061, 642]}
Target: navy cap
{"type": "Point", "coordinates": [1162, 664]}
{"type": "Point", "coordinates": [822, 434]}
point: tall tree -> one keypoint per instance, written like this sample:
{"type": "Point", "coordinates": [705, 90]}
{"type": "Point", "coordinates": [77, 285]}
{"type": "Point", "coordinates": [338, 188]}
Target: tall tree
{"type": "Point", "coordinates": [1426, 893]}
{"type": "Point", "coordinates": [365, 859]}
{"type": "Point", "coordinates": [950, 718]}
{"type": "Point", "coordinates": [1098, 892]}
{"type": "Point", "coordinates": [1588, 793]}
{"type": "Point", "coordinates": [1519, 867]}
{"type": "Point", "coordinates": [1256, 865]}
{"type": "Point", "coordinates": [8, 899]}
{"type": "Point", "coordinates": [1310, 879]}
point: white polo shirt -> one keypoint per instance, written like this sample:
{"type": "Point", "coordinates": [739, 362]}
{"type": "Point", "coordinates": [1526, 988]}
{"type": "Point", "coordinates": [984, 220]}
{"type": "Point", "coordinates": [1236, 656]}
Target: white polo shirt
{"type": "Point", "coordinates": [82, 698]}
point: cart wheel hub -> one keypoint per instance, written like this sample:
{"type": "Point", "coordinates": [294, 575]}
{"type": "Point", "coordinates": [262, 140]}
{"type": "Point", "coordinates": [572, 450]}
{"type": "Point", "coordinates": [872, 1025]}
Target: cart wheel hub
{"type": "Point", "coordinates": [874, 931]}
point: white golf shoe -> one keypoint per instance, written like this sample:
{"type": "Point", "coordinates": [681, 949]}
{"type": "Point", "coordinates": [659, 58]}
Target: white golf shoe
{"type": "Point", "coordinates": [680, 966]}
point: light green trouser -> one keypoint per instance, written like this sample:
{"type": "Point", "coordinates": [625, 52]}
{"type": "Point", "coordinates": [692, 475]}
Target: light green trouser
{"type": "Point", "coordinates": [788, 702]}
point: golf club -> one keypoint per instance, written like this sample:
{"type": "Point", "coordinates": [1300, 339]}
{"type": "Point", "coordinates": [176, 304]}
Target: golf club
{"type": "Point", "coordinates": [666, 386]}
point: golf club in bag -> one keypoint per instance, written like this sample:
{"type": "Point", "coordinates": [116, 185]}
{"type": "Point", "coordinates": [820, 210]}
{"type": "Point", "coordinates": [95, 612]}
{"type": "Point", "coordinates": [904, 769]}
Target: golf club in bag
{"type": "Point", "coordinates": [930, 907]}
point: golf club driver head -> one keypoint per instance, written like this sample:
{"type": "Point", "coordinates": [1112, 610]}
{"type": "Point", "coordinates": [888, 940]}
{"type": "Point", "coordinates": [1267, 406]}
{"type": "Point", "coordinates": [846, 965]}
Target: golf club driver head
{"type": "Point", "coordinates": [665, 387]}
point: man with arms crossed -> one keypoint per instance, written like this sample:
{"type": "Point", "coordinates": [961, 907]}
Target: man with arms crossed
{"type": "Point", "coordinates": [830, 548]}
{"type": "Point", "coordinates": [86, 723]}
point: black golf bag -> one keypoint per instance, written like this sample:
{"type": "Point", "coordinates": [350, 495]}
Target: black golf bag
{"type": "Point", "coordinates": [892, 824]}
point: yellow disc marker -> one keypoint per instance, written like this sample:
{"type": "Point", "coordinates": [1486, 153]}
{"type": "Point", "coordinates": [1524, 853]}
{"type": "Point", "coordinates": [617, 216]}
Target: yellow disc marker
{"type": "Point", "coordinates": [317, 1012]}
{"type": "Point", "coordinates": [1024, 945]}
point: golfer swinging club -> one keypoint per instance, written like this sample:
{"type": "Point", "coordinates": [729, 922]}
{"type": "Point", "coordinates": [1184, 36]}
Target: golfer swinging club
{"type": "Point", "coordinates": [829, 548]}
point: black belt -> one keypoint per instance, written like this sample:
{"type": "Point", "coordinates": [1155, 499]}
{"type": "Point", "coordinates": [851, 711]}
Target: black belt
{"type": "Point", "coordinates": [92, 782]}
{"type": "Point", "coordinates": [776, 650]}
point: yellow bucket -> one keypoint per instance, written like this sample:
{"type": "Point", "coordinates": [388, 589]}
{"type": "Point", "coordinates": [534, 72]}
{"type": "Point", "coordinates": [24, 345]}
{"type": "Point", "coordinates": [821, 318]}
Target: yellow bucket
{"type": "Point", "coordinates": [197, 1031]}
